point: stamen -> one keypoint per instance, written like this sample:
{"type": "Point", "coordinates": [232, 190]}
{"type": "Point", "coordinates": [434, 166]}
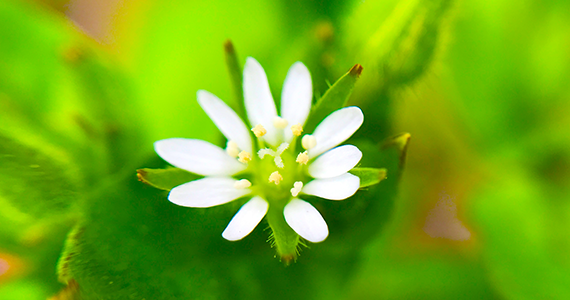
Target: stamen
{"type": "Point", "coordinates": [308, 141]}
{"type": "Point", "coordinates": [265, 151]}
{"type": "Point", "coordinates": [275, 177]}
{"type": "Point", "coordinates": [297, 187]}
{"type": "Point", "coordinates": [297, 129]}
{"type": "Point", "coordinates": [242, 184]}
{"type": "Point", "coordinates": [232, 149]}
{"type": "Point", "coordinates": [303, 158]}
{"type": "Point", "coordinates": [244, 157]}
{"type": "Point", "coordinates": [259, 130]}
{"type": "Point", "coordinates": [279, 122]}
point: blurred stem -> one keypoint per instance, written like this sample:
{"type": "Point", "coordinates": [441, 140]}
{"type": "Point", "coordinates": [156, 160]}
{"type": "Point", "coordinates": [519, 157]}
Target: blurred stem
{"type": "Point", "coordinates": [236, 79]}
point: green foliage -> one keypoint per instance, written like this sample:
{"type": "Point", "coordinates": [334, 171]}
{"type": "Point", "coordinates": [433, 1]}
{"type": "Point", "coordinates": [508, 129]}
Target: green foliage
{"type": "Point", "coordinates": [369, 176]}
{"type": "Point", "coordinates": [77, 118]}
{"type": "Point", "coordinates": [334, 98]}
{"type": "Point", "coordinates": [165, 179]}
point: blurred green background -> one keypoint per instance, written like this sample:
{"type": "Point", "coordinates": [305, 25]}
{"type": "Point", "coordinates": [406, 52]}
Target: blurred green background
{"type": "Point", "coordinates": [481, 210]}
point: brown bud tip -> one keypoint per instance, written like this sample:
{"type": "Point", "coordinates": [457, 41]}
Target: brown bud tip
{"type": "Point", "coordinates": [140, 175]}
{"type": "Point", "coordinates": [356, 70]}
{"type": "Point", "coordinates": [287, 259]}
{"type": "Point", "coordinates": [229, 47]}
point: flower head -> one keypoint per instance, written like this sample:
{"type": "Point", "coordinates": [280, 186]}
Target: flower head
{"type": "Point", "coordinates": [270, 162]}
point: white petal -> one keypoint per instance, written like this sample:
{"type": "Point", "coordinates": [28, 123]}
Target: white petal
{"type": "Point", "coordinates": [229, 123]}
{"type": "Point", "coordinates": [335, 162]}
{"type": "Point", "coordinates": [206, 192]}
{"type": "Point", "coordinates": [258, 100]}
{"type": "Point", "coordinates": [336, 128]}
{"type": "Point", "coordinates": [336, 188]}
{"type": "Point", "coordinates": [197, 156]}
{"type": "Point", "coordinates": [245, 220]}
{"type": "Point", "coordinates": [296, 97]}
{"type": "Point", "coordinates": [306, 220]}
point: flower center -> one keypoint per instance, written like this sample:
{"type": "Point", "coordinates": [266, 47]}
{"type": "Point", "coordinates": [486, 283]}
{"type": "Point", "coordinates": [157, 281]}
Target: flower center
{"type": "Point", "coordinates": [277, 173]}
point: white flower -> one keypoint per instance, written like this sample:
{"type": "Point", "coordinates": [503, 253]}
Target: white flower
{"type": "Point", "coordinates": [277, 173]}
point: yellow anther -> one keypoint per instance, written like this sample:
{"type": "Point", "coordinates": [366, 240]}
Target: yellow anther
{"type": "Point", "coordinates": [280, 123]}
{"type": "Point", "coordinates": [232, 149]}
{"type": "Point", "coordinates": [303, 158]}
{"type": "Point", "coordinates": [308, 141]}
{"type": "Point", "coordinates": [297, 187]}
{"type": "Point", "coordinates": [242, 184]}
{"type": "Point", "coordinates": [275, 177]}
{"type": "Point", "coordinates": [297, 129]}
{"type": "Point", "coordinates": [259, 130]}
{"type": "Point", "coordinates": [244, 157]}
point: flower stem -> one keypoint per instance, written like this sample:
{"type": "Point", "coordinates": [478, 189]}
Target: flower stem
{"type": "Point", "coordinates": [284, 238]}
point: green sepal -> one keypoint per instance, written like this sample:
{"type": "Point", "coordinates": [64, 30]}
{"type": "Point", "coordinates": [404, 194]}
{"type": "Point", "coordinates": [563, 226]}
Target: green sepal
{"type": "Point", "coordinates": [334, 98]}
{"type": "Point", "coordinates": [369, 176]}
{"type": "Point", "coordinates": [236, 78]}
{"type": "Point", "coordinates": [283, 238]}
{"type": "Point", "coordinates": [165, 179]}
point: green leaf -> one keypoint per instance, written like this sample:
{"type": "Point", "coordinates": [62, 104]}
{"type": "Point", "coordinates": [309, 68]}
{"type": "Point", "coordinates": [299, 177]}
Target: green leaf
{"type": "Point", "coordinates": [37, 180]}
{"type": "Point", "coordinates": [369, 176]}
{"type": "Point", "coordinates": [165, 179]}
{"type": "Point", "coordinates": [334, 98]}
{"type": "Point", "coordinates": [401, 47]}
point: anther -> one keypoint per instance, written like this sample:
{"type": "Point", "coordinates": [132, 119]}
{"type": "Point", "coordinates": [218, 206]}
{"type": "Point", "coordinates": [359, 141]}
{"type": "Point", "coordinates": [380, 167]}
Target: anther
{"type": "Point", "coordinates": [259, 130]}
{"type": "Point", "coordinates": [244, 157]}
{"type": "Point", "coordinates": [279, 122]}
{"type": "Point", "coordinates": [275, 177]}
{"type": "Point", "coordinates": [308, 141]}
{"type": "Point", "coordinates": [242, 184]}
{"type": "Point", "coordinates": [303, 158]}
{"type": "Point", "coordinates": [297, 187]}
{"type": "Point", "coordinates": [232, 149]}
{"type": "Point", "coordinates": [297, 129]}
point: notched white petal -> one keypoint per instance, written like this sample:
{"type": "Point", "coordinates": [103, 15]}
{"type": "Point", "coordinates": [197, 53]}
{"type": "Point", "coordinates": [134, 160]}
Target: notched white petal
{"type": "Point", "coordinates": [336, 128]}
{"type": "Point", "coordinates": [246, 219]}
{"type": "Point", "coordinates": [197, 156]}
{"type": "Point", "coordinates": [258, 99]}
{"type": "Point", "coordinates": [306, 220]}
{"type": "Point", "coordinates": [335, 162]}
{"type": "Point", "coordinates": [229, 123]}
{"type": "Point", "coordinates": [336, 188]}
{"type": "Point", "coordinates": [297, 96]}
{"type": "Point", "coordinates": [206, 192]}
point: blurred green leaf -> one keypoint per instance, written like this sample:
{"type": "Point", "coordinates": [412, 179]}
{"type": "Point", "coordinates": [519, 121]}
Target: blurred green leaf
{"type": "Point", "coordinates": [402, 46]}
{"type": "Point", "coordinates": [527, 257]}
{"type": "Point", "coordinates": [37, 182]}
{"type": "Point", "coordinates": [165, 179]}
